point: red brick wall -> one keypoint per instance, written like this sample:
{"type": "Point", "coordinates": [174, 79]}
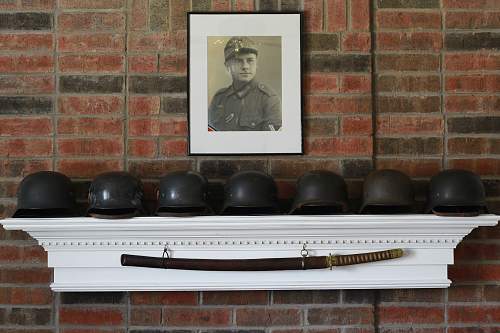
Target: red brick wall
{"type": "Point", "coordinates": [88, 86]}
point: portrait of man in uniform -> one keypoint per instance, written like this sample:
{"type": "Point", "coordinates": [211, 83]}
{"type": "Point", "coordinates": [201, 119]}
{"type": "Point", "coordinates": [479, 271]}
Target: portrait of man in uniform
{"type": "Point", "coordinates": [243, 95]}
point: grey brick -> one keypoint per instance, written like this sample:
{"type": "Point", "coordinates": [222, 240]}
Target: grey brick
{"type": "Point", "coordinates": [26, 21]}
{"type": "Point", "coordinates": [291, 5]}
{"type": "Point", "coordinates": [356, 168]}
{"type": "Point", "coordinates": [338, 63]}
{"type": "Point", "coordinates": [157, 84]}
{"type": "Point", "coordinates": [201, 5]}
{"type": "Point", "coordinates": [173, 104]}
{"type": "Point", "coordinates": [159, 15]}
{"type": "Point", "coordinates": [24, 316]}
{"type": "Point", "coordinates": [225, 168]}
{"type": "Point", "coordinates": [93, 298]}
{"type": "Point", "coordinates": [321, 42]}
{"type": "Point", "coordinates": [268, 5]}
{"type": "Point", "coordinates": [25, 105]}
{"type": "Point", "coordinates": [408, 3]}
{"type": "Point", "coordinates": [306, 297]}
{"type": "Point", "coordinates": [484, 125]}
{"type": "Point", "coordinates": [404, 104]}
{"type": "Point", "coordinates": [90, 84]}
{"type": "Point", "coordinates": [359, 296]}
{"type": "Point", "coordinates": [472, 41]}
{"type": "Point", "coordinates": [413, 146]}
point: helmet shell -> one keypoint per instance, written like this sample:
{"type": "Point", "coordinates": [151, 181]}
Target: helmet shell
{"type": "Point", "coordinates": [239, 45]}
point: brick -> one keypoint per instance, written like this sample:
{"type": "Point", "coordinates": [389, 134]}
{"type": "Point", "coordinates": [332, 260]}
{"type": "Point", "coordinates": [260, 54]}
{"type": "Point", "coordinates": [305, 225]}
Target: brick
{"type": "Point", "coordinates": [306, 297]}
{"type": "Point", "coordinates": [473, 146]}
{"type": "Point", "coordinates": [340, 316]}
{"type": "Point", "coordinates": [138, 15]}
{"type": "Point", "coordinates": [225, 168]}
{"type": "Point", "coordinates": [466, 4]}
{"type": "Point", "coordinates": [348, 146]}
{"type": "Point", "coordinates": [408, 62]}
{"type": "Point", "coordinates": [296, 168]}
{"type": "Point", "coordinates": [27, 64]}
{"type": "Point", "coordinates": [484, 125]}
{"type": "Point", "coordinates": [26, 42]}
{"type": "Point", "coordinates": [91, 105]}
{"type": "Point", "coordinates": [359, 296]}
{"type": "Point", "coordinates": [157, 84]}
{"type": "Point", "coordinates": [267, 317]}
{"type": "Point", "coordinates": [38, 4]}
{"type": "Point", "coordinates": [143, 64]}
{"type": "Point", "coordinates": [26, 275]}
{"type": "Point", "coordinates": [321, 42]}
{"type": "Point", "coordinates": [90, 147]}
{"type": "Point", "coordinates": [89, 126]}
{"type": "Point", "coordinates": [143, 127]}
{"type": "Point", "coordinates": [356, 41]}
{"type": "Point", "coordinates": [409, 41]}
{"type": "Point", "coordinates": [25, 105]}
{"type": "Point", "coordinates": [204, 5]}
{"type": "Point", "coordinates": [87, 316]}
{"type": "Point", "coordinates": [27, 316]}
{"type": "Point", "coordinates": [151, 42]}
{"type": "Point", "coordinates": [360, 15]}
{"type": "Point", "coordinates": [141, 148]}
{"type": "Point", "coordinates": [8, 4]}
{"type": "Point", "coordinates": [492, 293]}
{"type": "Point", "coordinates": [321, 83]}
{"type": "Point", "coordinates": [483, 166]}
{"type": "Point", "coordinates": [457, 293]}
{"type": "Point", "coordinates": [159, 18]}
{"type": "Point", "coordinates": [235, 297]}
{"type": "Point", "coordinates": [412, 329]}
{"type": "Point", "coordinates": [172, 105]}
{"type": "Point", "coordinates": [412, 167]}
{"type": "Point", "coordinates": [409, 124]}
{"type": "Point", "coordinates": [91, 84]}
{"type": "Point", "coordinates": [412, 295]}
{"type": "Point", "coordinates": [16, 168]}
{"type": "Point", "coordinates": [471, 62]}
{"type": "Point", "coordinates": [173, 63]}
{"type": "Point", "coordinates": [26, 21]}
{"type": "Point", "coordinates": [91, 63]}
{"type": "Point", "coordinates": [8, 190]}
{"type": "Point", "coordinates": [152, 169]}
{"type": "Point", "coordinates": [336, 13]}
{"type": "Point", "coordinates": [87, 169]}
{"type": "Point", "coordinates": [321, 127]}
{"type": "Point", "coordinates": [472, 104]}
{"type": "Point", "coordinates": [25, 127]}
{"type": "Point", "coordinates": [178, 19]}
{"type": "Point", "coordinates": [472, 41]}
{"type": "Point", "coordinates": [313, 15]}
{"type": "Point", "coordinates": [28, 296]}
{"type": "Point", "coordinates": [410, 104]}
{"type": "Point", "coordinates": [473, 314]}
{"type": "Point", "coordinates": [468, 273]}
{"type": "Point", "coordinates": [409, 146]}
{"type": "Point", "coordinates": [477, 252]}
{"type": "Point", "coordinates": [197, 317]}
{"type": "Point", "coordinates": [268, 5]}
{"type": "Point", "coordinates": [144, 105]}
{"type": "Point", "coordinates": [145, 317]}
{"type": "Point", "coordinates": [95, 42]}
{"type": "Point", "coordinates": [408, 3]}
{"type": "Point", "coordinates": [93, 298]}
{"type": "Point", "coordinates": [79, 22]}
{"type": "Point", "coordinates": [472, 20]}
{"type": "Point", "coordinates": [473, 329]}
{"type": "Point", "coordinates": [164, 298]}
{"type": "Point", "coordinates": [173, 147]}
{"type": "Point", "coordinates": [396, 83]}
{"type": "Point", "coordinates": [357, 168]}
{"type": "Point", "coordinates": [92, 4]}
{"type": "Point", "coordinates": [337, 104]}
{"type": "Point", "coordinates": [338, 63]}
{"type": "Point", "coordinates": [26, 148]}
{"type": "Point", "coordinates": [356, 125]}
{"type": "Point", "coordinates": [221, 5]}
{"type": "Point", "coordinates": [415, 315]}
{"type": "Point", "coordinates": [248, 5]}
{"type": "Point", "coordinates": [355, 84]}
{"type": "Point", "coordinates": [27, 85]}
{"type": "Point", "coordinates": [473, 83]}
{"type": "Point", "coordinates": [408, 20]}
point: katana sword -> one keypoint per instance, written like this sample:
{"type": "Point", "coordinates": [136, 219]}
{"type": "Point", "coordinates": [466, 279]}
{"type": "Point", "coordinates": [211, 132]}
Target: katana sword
{"type": "Point", "coordinates": [262, 264]}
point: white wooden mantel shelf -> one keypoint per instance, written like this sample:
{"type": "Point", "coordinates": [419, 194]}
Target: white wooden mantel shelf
{"type": "Point", "coordinates": [85, 252]}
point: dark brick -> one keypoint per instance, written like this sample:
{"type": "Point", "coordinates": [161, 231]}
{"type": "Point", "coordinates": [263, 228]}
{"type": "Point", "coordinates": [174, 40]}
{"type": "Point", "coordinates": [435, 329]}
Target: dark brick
{"type": "Point", "coordinates": [159, 15]}
{"type": "Point", "coordinates": [22, 316]}
{"type": "Point", "coordinates": [225, 168]}
{"type": "Point", "coordinates": [321, 126]}
{"type": "Point", "coordinates": [403, 104]}
{"type": "Point", "coordinates": [173, 104]}
{"type": "Point", "coordinates": [201, 5]}
{"type": "Point", "coordinates": [160, 331]}
{"type": "Point", "coordinates": [93, 298]}
{"type": "Point", "coordinates": [412, 146]}
{"type": "Point", "coordinates": [157, 84]}
{"type": "Point", "coordinates": [412, 295]}
{"type": "Point", "coordinates": [486, 125]}
{"type": "Point", "coordinates": [306, 297]}
{"type": "Point", "coordinates": [26, 21]}
{"type": "Point", "coordinates": [492, 293]}
{"type": "Point", "coordinates": [338, 63]}
{"type": "Point", "coordinates": [154, 169]}
{"type": "Point", "coordinates": [393, 83]}
{"type": "Point", "coordinates": [408, 3]}
{"type": "Point", "coordinates": [232, 331]}
{"type": "Point", "coordinates": [408, 62]}
{"type": "Point", "coordinates": [321, 42]}
{"type": "Point", "coordinates": [91, 84]}
{"type": "Point", "coordinates": [356, 168]}
{"type": "Point", "coordinates": [290, 5]}
{"type": "Point", "coordinates": [25, 105]}
{"type": "Point", "coordinates": [340, 316]}
{"type": "Point", "coordinates": [492, 187]}
{"type": "Point", "coordinates": [472, 41]}
{"type": "Point", "coordinates": [359, 296]}
{"type": "Point", "coordinates": [268, 5]}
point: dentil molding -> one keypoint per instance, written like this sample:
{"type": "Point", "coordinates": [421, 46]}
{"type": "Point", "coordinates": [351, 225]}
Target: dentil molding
{"type": "Point", "coordinates": [85, 252]}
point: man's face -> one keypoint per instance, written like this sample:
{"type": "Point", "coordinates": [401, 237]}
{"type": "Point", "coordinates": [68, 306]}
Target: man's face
{"type": "Point", "coordinates": [242, 67]}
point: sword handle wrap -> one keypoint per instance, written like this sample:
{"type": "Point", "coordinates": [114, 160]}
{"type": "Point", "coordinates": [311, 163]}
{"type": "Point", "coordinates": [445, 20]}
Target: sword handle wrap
{"type": "Point", "coordinates": [353, 259]}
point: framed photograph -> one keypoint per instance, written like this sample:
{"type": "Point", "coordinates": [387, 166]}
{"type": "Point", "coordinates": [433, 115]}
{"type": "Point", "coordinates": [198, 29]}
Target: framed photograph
{"type": "Point", "coordinates": [245, 83]}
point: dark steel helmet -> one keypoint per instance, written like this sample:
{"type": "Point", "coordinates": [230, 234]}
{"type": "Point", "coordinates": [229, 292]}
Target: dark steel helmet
{"type": "Point", "coordinates": [239, 45]}
{"type": "Point", "coordinates": [115, 195]}
{"type": "Point", "coordinates": [320, 192]}
{"type": "Point", "coordinates": [183, 193]}
{"type": "Point", "coordinates": [456, 193]}
{"type": "Point", "coordinates": [250, 193]}
{"type": "Point", "coordinates": [45, 194]}
{"type": "Point", "coordinates": [387, 192]}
